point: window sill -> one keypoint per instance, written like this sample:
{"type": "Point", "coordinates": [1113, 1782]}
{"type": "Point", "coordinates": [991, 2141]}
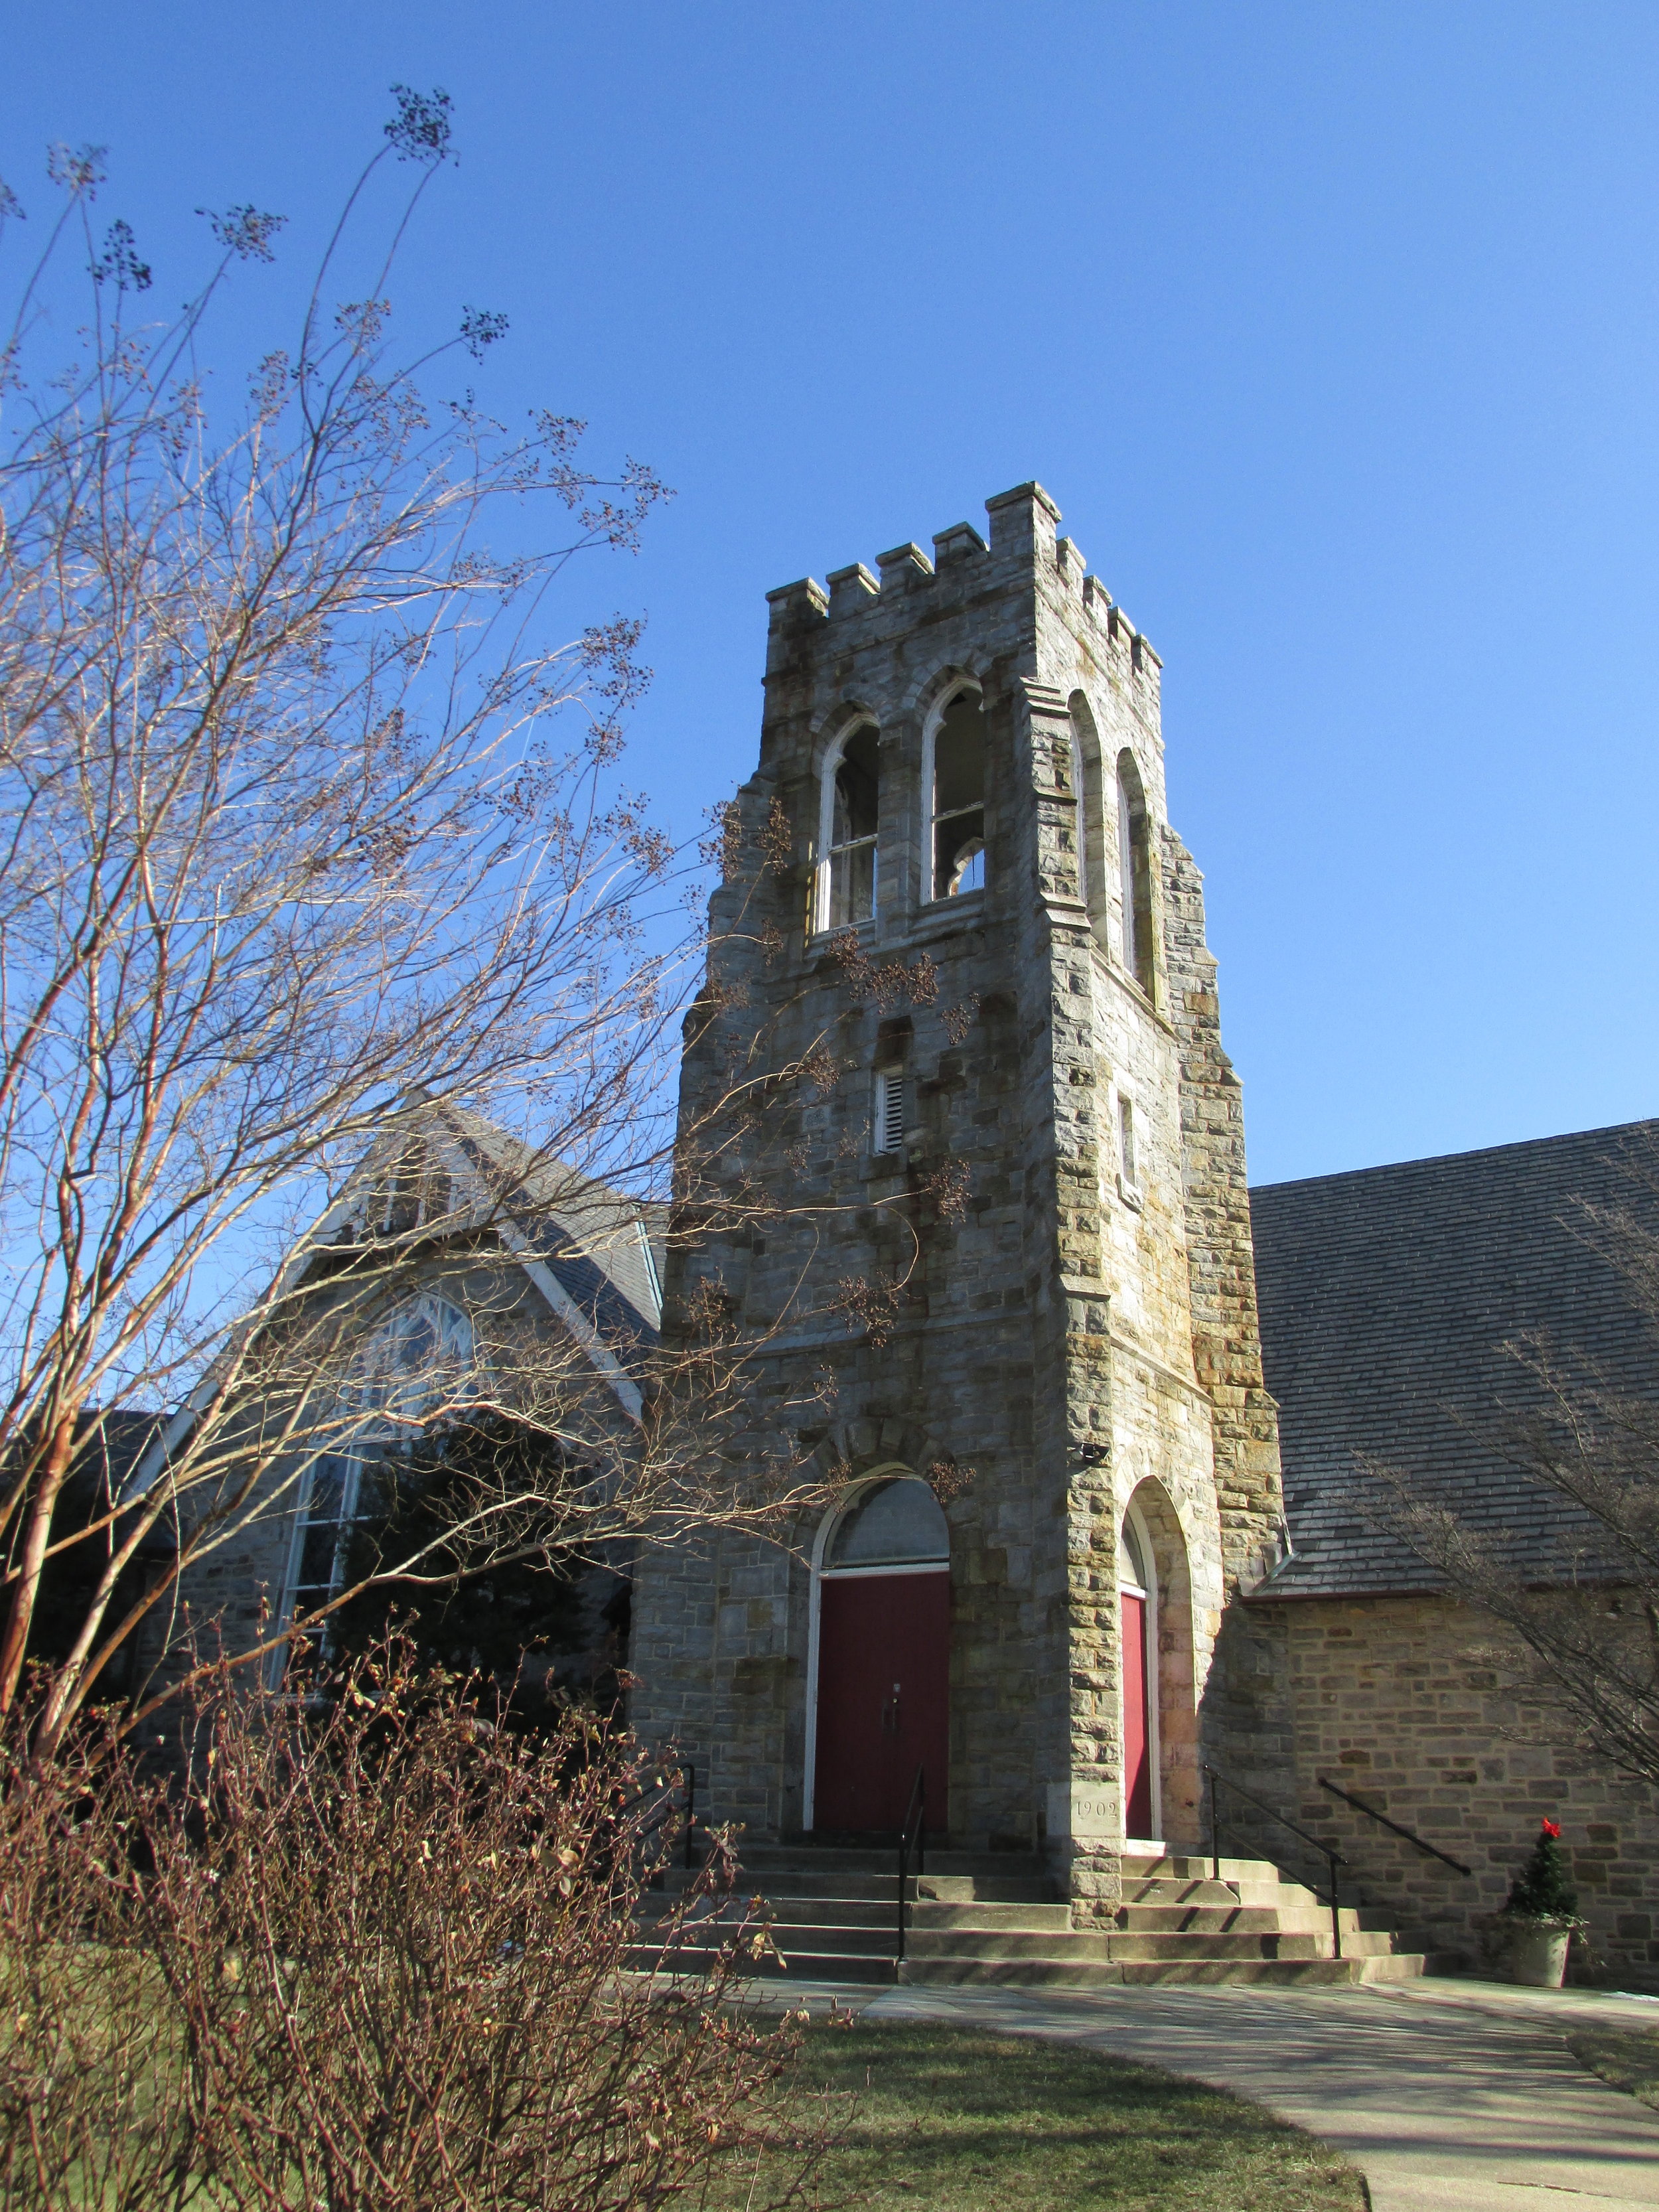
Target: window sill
{"type": "Point", "coordinates": [1130, 1193]}
{"type": "Point", "coordinates": [944, 917]}
{"type": "Point", "coordinates": [822, 939]}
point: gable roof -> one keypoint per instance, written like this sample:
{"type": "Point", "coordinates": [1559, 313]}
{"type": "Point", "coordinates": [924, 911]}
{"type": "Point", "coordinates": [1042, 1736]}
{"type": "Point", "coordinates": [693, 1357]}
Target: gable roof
{"type": "Point", "coordinates": [1385, 1296]}
{"type": "Point", "coordinates": [591, 1252]}
{"type": "Point", "coordinates": [595, 1241]}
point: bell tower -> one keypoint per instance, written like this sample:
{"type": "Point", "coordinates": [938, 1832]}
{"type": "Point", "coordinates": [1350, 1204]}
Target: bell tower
{"type": "Point", "coordinates": [958, 972]}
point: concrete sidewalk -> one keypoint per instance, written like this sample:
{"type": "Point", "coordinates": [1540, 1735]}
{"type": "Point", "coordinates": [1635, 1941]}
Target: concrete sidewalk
{"type": "Point", "coordinates": [1449, 2096]}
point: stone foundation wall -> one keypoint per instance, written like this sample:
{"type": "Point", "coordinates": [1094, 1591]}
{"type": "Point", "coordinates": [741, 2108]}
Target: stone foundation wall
{"type": "Point", "coordinates": [1418, 1706]}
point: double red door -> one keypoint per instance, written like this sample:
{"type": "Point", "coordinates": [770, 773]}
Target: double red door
{"type": "Point", "coordinates": [883, 1700]}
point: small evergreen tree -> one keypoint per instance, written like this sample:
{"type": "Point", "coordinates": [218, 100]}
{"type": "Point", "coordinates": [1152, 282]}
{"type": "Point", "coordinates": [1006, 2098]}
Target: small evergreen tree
{"type": "Point", "coordinates": [1542, 1890]}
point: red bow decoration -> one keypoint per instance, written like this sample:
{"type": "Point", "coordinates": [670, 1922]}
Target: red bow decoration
{"type": "Point", "coordinates": [1552, 1827]}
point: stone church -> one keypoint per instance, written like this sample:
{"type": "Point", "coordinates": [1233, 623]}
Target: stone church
{"type": "Point", "coordinates": [1009, 1304]}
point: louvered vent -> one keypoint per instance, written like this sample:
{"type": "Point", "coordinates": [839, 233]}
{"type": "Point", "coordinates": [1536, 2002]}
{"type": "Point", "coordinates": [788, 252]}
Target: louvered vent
{"type": "Point", "coordinates": [889, 1111]}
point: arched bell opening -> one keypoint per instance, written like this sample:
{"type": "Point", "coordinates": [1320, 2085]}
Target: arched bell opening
{"type": "Point", "coordinates": [879, 1667]}
{"type": "Point", "coordinates": [1160, 1739]}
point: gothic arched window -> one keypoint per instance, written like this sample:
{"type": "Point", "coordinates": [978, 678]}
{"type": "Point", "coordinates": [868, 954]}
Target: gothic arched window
{"type": "Point", "coordinates": [852, 817]}
{"type": "Point", "coordinates": [422, 1357]}
{"type": "Point", "coordinates": [1090, 828]}
{"type": "Point", "coordinates": [1134, 872]}
{"type": "Point", "coordinates": [957, 803]}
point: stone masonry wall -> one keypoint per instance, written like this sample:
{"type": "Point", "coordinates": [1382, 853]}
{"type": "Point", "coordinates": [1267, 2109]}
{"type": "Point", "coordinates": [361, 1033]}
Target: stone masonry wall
{"type": "Point", "coordinates": [1416, 1705]}
{"type": "Point", "coordinates": [1221, 1264]}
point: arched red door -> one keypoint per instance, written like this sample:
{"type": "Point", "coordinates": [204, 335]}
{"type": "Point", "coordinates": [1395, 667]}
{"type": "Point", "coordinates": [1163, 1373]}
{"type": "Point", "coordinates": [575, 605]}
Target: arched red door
{"type": "Point", "coordinates": [884, 1664]}
{"type": "Point", "coordinates": [1137, 1669]}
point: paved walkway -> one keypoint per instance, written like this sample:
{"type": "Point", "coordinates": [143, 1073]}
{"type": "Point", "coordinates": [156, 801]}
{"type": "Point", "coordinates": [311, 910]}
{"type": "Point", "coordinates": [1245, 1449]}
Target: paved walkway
{"type": "Point", "coordinates": [1449, 2096]}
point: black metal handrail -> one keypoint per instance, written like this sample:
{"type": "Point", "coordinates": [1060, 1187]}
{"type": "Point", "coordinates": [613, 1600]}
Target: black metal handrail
{"type": "Point", "coordinates": [915, 1822]}
{"type": "Point", "coordinates": [1334, 1858]}
{"type": "Point", "coordinates": [1382, 1820]}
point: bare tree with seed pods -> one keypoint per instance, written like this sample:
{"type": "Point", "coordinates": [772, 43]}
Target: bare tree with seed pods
{"type": "Point", "coordinates": [1574, 1575]}
{"type": "Point", "coordinates": [316, 875]}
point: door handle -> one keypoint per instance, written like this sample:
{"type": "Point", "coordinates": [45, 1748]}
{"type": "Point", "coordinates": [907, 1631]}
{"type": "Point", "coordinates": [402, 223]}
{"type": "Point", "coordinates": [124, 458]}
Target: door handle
{"type": "Point", "coordinates": [890, 1713]}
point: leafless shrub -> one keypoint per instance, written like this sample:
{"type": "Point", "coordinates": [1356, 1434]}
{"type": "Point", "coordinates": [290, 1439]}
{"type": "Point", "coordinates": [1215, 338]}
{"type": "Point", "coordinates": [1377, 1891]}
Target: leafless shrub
{"type": "Point", "coordinates": [948, 1186]}
{"type": "Point", "coordinates": [373, 1951]}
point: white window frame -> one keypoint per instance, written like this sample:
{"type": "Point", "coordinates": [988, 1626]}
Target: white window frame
{"type": "Point", "coordinates": [967, 688]}
{"type": "Point", "coordinates": [821, 874]}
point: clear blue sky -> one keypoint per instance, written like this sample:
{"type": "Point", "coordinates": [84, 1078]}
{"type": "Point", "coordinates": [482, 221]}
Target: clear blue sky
{"type": "Point", "coordinates": [1332, 329]}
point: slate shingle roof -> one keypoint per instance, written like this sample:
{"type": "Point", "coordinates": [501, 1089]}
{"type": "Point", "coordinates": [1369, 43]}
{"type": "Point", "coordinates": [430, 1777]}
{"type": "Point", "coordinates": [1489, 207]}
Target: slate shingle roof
{"type": "Point", "coordinates": [600, 1246]}
{"type": "Point", "coordinates": [1385, 1296]}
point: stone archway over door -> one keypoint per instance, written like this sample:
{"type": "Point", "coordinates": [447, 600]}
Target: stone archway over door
{"type": "Point", "coordinates": [883, 1661]}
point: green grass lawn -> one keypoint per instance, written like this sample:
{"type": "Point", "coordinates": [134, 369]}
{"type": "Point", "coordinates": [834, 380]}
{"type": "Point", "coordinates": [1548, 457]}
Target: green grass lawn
{"type": "Point", "coordinates": [943, 2117]}
{"type": "Point", "coordinates": [1626, 2056]}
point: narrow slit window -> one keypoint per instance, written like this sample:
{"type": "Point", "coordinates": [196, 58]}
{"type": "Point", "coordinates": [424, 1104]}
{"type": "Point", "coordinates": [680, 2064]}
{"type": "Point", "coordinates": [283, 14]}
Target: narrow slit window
{"type": "Point", "coordinates": [1134, 874]}
{"type": "Point", "coordinates": [850, 887]}
{"type": "Point", "coordinates": [1126, 1143]}
{"type": "Point", "coordinates": [958, 815]}
{"type": "Point", "coordinates": [890, 1110]}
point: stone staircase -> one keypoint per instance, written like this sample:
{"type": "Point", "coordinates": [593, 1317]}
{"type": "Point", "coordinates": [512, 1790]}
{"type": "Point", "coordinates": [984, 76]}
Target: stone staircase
{"type": "Point", "coordinates": [994, 1919]}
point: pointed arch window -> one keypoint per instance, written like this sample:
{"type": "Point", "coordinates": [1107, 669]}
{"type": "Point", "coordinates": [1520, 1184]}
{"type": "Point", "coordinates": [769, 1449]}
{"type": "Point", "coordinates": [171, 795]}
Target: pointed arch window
{"type": "Point", "coordinates": [956, 802]}
{"type": "Point", "coordinates": [851, 818]}
{"type": "Point", "coordinates": [1089, 827]}
{"type": "Point", "coordinates": [1134, 872]}
{"type": "Point", "coordinates": [423, 1356]}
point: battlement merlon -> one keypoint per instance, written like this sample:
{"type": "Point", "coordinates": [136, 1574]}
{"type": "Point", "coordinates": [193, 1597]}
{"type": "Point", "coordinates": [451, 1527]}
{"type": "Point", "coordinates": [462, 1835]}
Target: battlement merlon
{"type": "Point", "coordinates": [1024, 541]}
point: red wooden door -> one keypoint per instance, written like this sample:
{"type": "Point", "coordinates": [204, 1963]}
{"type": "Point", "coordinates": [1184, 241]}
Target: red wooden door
{"type": "Point", "coordinates": [883, 1700]}
{"type": "Point", "coordinates": [1137, 1725]}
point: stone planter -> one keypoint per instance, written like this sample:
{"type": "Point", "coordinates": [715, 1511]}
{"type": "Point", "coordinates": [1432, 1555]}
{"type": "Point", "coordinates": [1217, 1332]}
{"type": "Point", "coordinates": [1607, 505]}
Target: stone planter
{"type": "Point", "coordinates": [1535, 1953]}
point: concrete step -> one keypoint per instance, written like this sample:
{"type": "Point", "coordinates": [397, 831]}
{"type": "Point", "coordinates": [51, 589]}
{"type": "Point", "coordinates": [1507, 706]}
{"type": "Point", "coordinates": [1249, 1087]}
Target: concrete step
{"type": "Point", "coordinates": [798, 1882]}
{"type": "Point", "coordinates": [1177, 1868]}
{"type": "Point", "coordinates": [1067, 1973]}
{"type": "Point", "coordinates": [954, 1943]}
{"type": "Point", "coordinates": [984, 1889]}
{"type": "Point", "coordinates": [926, 1914]}
{"type": "Point", "coordinates": [994, 1919]}
{"type": "Point", "coordinates": [1164, 1889]}
{"type": "Point", "coordinates": [1241, 1919]}
{"type": "Point", "coordinates": [798, 1965]}
{"type": "Point", "coordinates": [786, 1937]}
{"type": "Point", "coordinates": [990, 1944]}
{"type": "Point", "coordinates": [1018, 1866]}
